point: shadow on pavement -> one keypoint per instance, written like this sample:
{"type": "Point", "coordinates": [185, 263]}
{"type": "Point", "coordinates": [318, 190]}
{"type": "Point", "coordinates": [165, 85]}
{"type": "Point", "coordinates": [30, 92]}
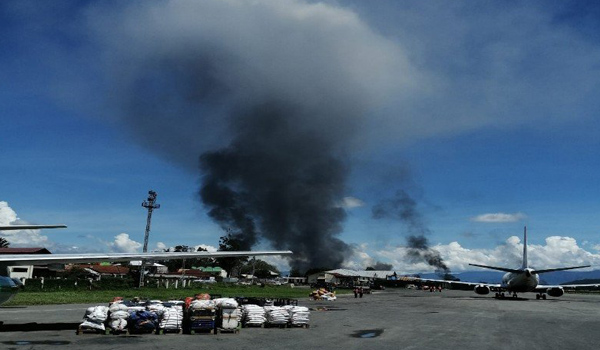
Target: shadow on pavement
{"type": "Point", "coordinates": [35, 327]}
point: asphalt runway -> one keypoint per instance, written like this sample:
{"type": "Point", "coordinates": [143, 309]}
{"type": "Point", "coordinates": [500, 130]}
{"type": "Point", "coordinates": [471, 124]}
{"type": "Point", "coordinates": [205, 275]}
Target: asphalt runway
{"type": "Point", "coordinates": [392, 319]}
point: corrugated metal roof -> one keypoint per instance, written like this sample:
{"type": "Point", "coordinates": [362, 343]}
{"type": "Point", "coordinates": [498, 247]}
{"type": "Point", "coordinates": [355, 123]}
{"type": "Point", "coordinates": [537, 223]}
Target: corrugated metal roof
{"type": "Point", "coordinates": [361, 273]}
{"type": "Point", "coordinates": [195, 273]}
{"type": "Point", "coordinates": [24, 251]}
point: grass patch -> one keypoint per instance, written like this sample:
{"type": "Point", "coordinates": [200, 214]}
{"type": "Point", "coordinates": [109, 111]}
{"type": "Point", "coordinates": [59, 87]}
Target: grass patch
{"type": "Point", "coordinates": [84, 296]}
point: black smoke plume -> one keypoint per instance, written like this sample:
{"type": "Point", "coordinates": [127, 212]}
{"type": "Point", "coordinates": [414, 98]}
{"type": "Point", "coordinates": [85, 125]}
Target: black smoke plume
{"type": "Point", "coordinates": [278, 182]}
{"type": "Point", "coordinates": [404, 208]}
{"type": "Point", "coordinates": [379, 266]}
{"type": "Point", "coordinates": [272, 96]}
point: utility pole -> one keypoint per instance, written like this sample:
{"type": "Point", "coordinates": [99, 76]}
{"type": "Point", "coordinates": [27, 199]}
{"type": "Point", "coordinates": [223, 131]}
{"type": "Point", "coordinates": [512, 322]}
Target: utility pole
{"type": "Point", "coordinates": [149, 204]}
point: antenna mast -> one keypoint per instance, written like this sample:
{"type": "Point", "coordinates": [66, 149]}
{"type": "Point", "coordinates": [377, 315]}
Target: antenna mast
{"type": "Point", "coordinates": [149, 204]}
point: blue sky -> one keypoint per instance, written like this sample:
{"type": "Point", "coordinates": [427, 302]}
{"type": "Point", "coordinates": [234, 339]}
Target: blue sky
{"type": "Point", "coordinates": [473, 109]}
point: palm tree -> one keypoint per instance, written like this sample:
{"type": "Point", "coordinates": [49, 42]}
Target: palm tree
{"type": "Point", "coordinates": [4, 243]}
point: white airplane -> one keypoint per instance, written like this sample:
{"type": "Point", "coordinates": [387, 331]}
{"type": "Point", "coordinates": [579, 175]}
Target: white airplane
{"type": "Point", "coordinates": [9, 287]}
{"type": "Point", "coordinates": [521, 280]}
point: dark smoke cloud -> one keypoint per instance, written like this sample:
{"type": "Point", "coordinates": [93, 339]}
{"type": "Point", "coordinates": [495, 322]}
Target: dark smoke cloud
{"type": "Point", "coordinates": [404, 208]}
{"type": "Point", "coordinates": [271, 96]}
{"type": "Point", "coordinates": [379, 266]}
{"type": "Point", "coordinates": [279, 183]}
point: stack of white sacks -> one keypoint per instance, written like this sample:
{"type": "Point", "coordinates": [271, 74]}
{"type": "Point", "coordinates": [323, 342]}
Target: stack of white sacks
{"type": "Point", "coordinates": [298, 314]}
{"type": "Point", "coordinates": [203, 304]}
{"type": "Point", "coordinates": [95, 317]}
{"type": "Point", "coordinates": [157, 307]}
{"type": "Point", "coordinates": [254, 315]}
{"type": "Point", "coordinates": [171, 318]}
{"type": "Point", "coordinates": [277, 315]}
{"type": "Point", "coordinates": [119, 314]}
{"type": "Point", "coordinates": [226, 303]}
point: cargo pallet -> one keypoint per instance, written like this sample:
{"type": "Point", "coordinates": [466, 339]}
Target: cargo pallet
{"type": "Point", "coordinates": [276, 325]}
{"type": "Point", "coordinates": [202, 330]}
{"type": "Point", "coordinates": [162, 331]}
{"type": "Point", "coordinates": [253, 325]}
{"type": "Point", "coordinates": [228, 330]}
{"type": "Point", "coordinates": [302, 325]}
{"type": "Point", "coordinates": [89, 330]}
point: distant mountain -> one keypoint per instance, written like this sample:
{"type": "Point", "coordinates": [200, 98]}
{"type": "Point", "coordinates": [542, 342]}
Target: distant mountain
{"type": "Point", "coordinates": [557, 277]}
{"type": "Point", "coordinates": [471, 276]}
{"type": "Point", "coordinates": [591, 281]}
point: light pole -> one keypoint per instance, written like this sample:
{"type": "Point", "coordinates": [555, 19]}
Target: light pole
{"type": "Point", "coordinates": [149, 204]}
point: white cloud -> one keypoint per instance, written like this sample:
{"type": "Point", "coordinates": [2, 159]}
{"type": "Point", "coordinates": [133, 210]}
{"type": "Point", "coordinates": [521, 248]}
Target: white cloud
{"type": "Point", "coordinates": [360, 259]}
{"type": "Point", "coordinates": [160, 246]}
{"type": "Point", "coordinates": [7, 215]}
{"type": "Point", "coordinates": [499, 217]}
{"type": "Point", "coordinates": [281, 263]}
{"type": "Point", "coordinates": [351, 202]}
{"type": "Point", "coordinates": [20, 238]}
{"type": "Point", "coordinates": [123, 244]}
{"type": "Point", "coordinates": [557, 251]}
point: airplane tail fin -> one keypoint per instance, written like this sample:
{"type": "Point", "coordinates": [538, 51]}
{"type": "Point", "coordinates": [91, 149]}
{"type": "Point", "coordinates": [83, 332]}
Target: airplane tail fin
{"type": "Point", "coordinates": [525, 263]}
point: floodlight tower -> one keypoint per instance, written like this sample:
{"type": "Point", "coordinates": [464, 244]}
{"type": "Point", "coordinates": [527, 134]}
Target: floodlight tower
{"type": "Point", "coordinates": [149, 204]}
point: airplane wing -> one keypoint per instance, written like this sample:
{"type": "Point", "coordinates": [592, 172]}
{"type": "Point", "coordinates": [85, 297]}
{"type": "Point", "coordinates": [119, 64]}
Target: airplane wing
{"type": "Point", "coordinates": [543, 287]}
{"type": "Point", "coordinates": [560, 269]}
{"type": "Point", "coordinates": [497, 268]}
{"type": "Point", "coordinates": [461, 283]}
{"type": "Point", "coordinates": [44, 259]}
{"type": "Point", "coordinates": [28, 227]}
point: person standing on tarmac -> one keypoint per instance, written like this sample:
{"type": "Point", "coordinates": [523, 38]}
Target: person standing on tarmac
{"type": "Point", "coordinates": [360, 292]}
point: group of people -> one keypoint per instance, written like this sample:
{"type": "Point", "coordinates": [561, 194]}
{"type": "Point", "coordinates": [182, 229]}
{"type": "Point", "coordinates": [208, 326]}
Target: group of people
{"type": "Point", "coordinates": [358, 291]}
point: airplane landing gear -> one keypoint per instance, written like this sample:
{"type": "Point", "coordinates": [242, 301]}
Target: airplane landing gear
{"type": "Point", "coordinates": [499, 295]}
{"type": "Point", "coordinates": [540, 295]}
{"type": "Point", "coordinates": [514, 295]}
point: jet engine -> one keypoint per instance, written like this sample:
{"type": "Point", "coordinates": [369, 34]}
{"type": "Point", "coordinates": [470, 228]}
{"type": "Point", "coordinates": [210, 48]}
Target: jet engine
{"type": "Point", "coordinates": [483, 289]}
{"type": "Point", "coordinates": [555, 292]}
{"type": "Point", "coordinates": [8, 289]}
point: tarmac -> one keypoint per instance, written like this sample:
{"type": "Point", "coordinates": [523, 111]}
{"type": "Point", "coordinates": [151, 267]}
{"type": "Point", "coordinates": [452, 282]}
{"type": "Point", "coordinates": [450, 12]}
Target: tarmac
{"type": "Point", "coordinates": [391, 319]}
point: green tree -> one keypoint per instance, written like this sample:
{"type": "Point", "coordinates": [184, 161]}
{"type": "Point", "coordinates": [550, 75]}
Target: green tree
{"type": "Point", "coordinates": [4, 243]}
{"type": "Point", "coordinates": [231, 242]}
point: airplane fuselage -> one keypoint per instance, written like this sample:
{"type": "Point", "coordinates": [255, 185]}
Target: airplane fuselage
{"type": "Point", "coordinates": [525, 281]}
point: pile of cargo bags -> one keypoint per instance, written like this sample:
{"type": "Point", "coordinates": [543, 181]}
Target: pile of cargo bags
{"type": "Point", "coordinates": [199, 314]}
